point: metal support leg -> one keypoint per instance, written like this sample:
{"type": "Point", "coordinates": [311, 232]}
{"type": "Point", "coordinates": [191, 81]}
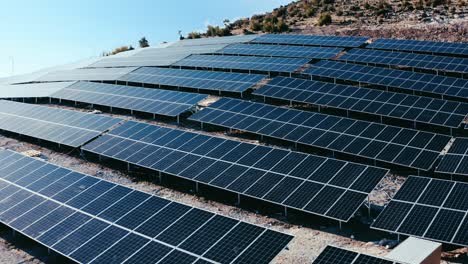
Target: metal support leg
{"type": "Point", "coordinates": [341, 228]}
{"type": "Point", "coordinates": [160, 177]}
{"type": "Point", "coordinates": [285, 211]}
{"type": "Point", "coordinates": [196, 187]}
{"type": "Point", "coordinates": [100, 158]}
{"type": "Point", "coordinates": [238, 199]}
{"type": "Point", "coordinates": [369, 205]}
{"type": "Point", "coordinates": [128, 166]}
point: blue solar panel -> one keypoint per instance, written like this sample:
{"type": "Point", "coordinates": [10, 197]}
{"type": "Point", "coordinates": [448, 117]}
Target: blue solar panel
{"type": "Point", "coordinates": [335, 255]}
{"type": "Point", "coordinates": [456, 160]}
{"type": "Point", "coordinates": [453, 88]}
{"type": "Point", "coordinates": [438, 112]}
{"type": "Point", "coordinates": [410, 60]}
{"type": "Point", "coordinates": [103, 222]}
{"type": "Point", "coordinates": [263, 64]}
{"type": "Point", "coordinates": [429, 208]}
{"type": "Point", "coordinates": [281, 51]}
{"type": "Point", "coordinates": [197, 80]}
{"type": "Point", "coordinates": [310, 40]}
{"type": "Point", "coordinates": [400, 146]}
{"type": "Point", "coordinates": [273, 175]}
{"type": "Point", "coordinates": [154, 101]}
{"type": "Point", "coordinates": [431, 47]}
{"type": "Point", "coordinates": [52, 124]}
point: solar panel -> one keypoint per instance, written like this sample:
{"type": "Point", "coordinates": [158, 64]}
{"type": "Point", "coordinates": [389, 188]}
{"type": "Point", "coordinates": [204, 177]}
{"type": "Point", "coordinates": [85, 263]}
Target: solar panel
{"type": "Point", "coordinates": [431, 47]}
{"type": "Point", "coordinates": [91, 74]}
{"type": "Point", "coordinates": [429, 208]}
{"type": "Point", "coordinates": [153, 101]}
{"type": "Point", "coordinates": [310, 40]}
{"type": "Point", "coordinates": [214, 40]}
{"type": "Point", "coordinates": [411, 60]}
{"type": "Point", "coordinates": [281, 51]}
{"type": "Point", "coordinates": [52, 124]}
{"type": "Point", "coordinates": [197, 80]}
{"type": "Point", "coordinates": [452, 88]}
{"type": "Point", "coordinates": [156, 56]}
{"type": "Point", "coordinates": [304, 182]}
{"type": "Point", "coordinates": [412, 108]}
{"type": "Point", "coordinates": [393, 145]}
{"type": "Point", "coordinates": [336, 255]}
{"type": "Point", "coordinates": [34, 90]}
{"type": "Point", "coordinates": [264, 64]}
{"type": "Point", "coordinates": [456, 160]}
{"type": "Point", "coordinates": [90, 220]}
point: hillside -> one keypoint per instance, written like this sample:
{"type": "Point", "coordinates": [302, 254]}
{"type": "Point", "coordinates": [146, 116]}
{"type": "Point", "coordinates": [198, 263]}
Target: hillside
{"type": "Point", "coordinates": [438, 20]}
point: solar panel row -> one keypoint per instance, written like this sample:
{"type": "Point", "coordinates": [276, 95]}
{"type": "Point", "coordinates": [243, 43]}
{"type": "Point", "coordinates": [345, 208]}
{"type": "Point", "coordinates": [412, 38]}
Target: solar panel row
{"type": "Point", "coordinates": [263, 64]}
{"type": "Point", "coordinates": [309, 40]}
{"type": "Point", "coordinates": [281, 51]}
{"type": "Point", "coordinates": [214, 41]}
{"type": "Point", "coordinates": [160, 102]}
{"type": "Point", "coordinates": [412, 60]}
{"type": "Point", "coordinates": [199, 80]}
{"type": "Point", "coordinates": [52, 124]}
{"type": "Point", "coordinates": [335, 255]}
{"type": "Point", "coordinates": [89, 74]}
{"type": "Point", "coordinates": [456, 159]}
{"type": "Point", "coordinates": [431, 47]}
{"type": "Point", "coordinates": [95, 221]}
{"type": "Point", "coordinates": [31, 90]}
{"type": "Point", "coordinates": [322, 186]}
{"type": "Point", "coordinates": [400, 146]}
{"type": "Point", "coordinates": [380, 103]}
{"type": "Point", "coordinates": [429, 208]}
{"type": "Point", "coordinates": [161, 56]}
{"type": "Point", "coordinates": [414, 82]}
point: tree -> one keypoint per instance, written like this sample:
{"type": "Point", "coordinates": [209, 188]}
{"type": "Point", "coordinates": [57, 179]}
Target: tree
{"type": "Point", "coordinates": [324, 19]}
{"type": "Point", "coordinates": [143, 42]}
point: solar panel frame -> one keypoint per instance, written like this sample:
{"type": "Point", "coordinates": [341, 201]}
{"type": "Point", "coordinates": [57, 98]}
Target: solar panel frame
{"type": "Point", "coordinates": [76, 253]}
{"type": "Point", "coordinates": [323, 131]}
{"type": "Point", "coordinates": [310, 40]}
{"type": "Point", "coordinates": [153, 101]}
{"type": "Point", "coordinates": [193, 79]}
{"type": "Point", "coordinates": [412, 226]}
{"type": "Point", "coordinates": [243, 63]}
{"type": "Point", "coordinates": [61, 126]}
{"type": "Point", "coordinates": [368, 101]}
{"type": "Point", "coordinates": [431, 47]}
{"type": "Point", "coordinates": [162, 158]}
{"type": "Point", "coordinates": [402, 59]}
{"type": "Point", "coordinates": [436, 85]}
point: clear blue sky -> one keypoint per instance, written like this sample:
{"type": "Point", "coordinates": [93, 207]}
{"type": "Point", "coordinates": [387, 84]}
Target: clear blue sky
{"type": "Point", "coordinates": [40, 34]}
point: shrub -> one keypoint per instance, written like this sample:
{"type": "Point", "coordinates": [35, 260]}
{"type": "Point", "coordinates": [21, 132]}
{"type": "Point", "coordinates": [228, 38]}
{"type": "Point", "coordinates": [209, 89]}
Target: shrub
{"type": "Point", "coordinates": [194, 35]}
{"type": "Point", "coordinates": [255, 25]}
{"type": "Point", "coordinates": [324, 19]}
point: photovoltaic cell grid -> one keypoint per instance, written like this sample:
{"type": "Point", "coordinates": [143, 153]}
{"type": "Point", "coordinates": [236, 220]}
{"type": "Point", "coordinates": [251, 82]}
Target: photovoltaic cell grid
{"type": "Point", "coordinates": [200, 80]}
{"type": "Point", "coordinates": [154, 101]}
{"type": "Point", "coordinates": [281, 51]}
{"type": "Point", "coordinates": [91, 74]}
{"type": "Point", "coordinates": [309, 40]}
{"type": "Point", "coordinates": [394, 145]}
{"type": "Point", "coordinates": [420, 46]}
{"type": "Point", "coordinates": [414, 82]}
{"type": "Point", "coordinates": [157, 56]}
{"type": "Point", "coordinates": [456, 159]}
{"type": "Point", "coordinates": [429, 208]}
{"type": "Point", "coordinates": [52, 124]}
{"type": "Point", "coordinates": [395, 105]}
{"type": "Point", "coordinates": [214, 41]}
{"type": "Point", "coordinates": [413, 60]}
{"type": "Point", "coordinates": [335, 255]}
{"type": "Point", "coordinates": [95, 221]}
{"type": "Point", "coordinates": [323, 186]}
{"type": "Point", "coordinates": [266, 64]}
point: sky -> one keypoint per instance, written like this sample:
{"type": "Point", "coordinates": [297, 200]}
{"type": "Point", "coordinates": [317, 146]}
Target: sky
{"type": "Point", "coordinates": [40, 34]}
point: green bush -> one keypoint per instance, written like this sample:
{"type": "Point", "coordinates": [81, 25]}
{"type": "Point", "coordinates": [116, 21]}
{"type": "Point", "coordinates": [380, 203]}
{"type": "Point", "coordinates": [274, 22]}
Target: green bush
{"type": "Point", "coordinates": [324, 19]}
{"type": "Point", "coordinates": [194, 35]}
